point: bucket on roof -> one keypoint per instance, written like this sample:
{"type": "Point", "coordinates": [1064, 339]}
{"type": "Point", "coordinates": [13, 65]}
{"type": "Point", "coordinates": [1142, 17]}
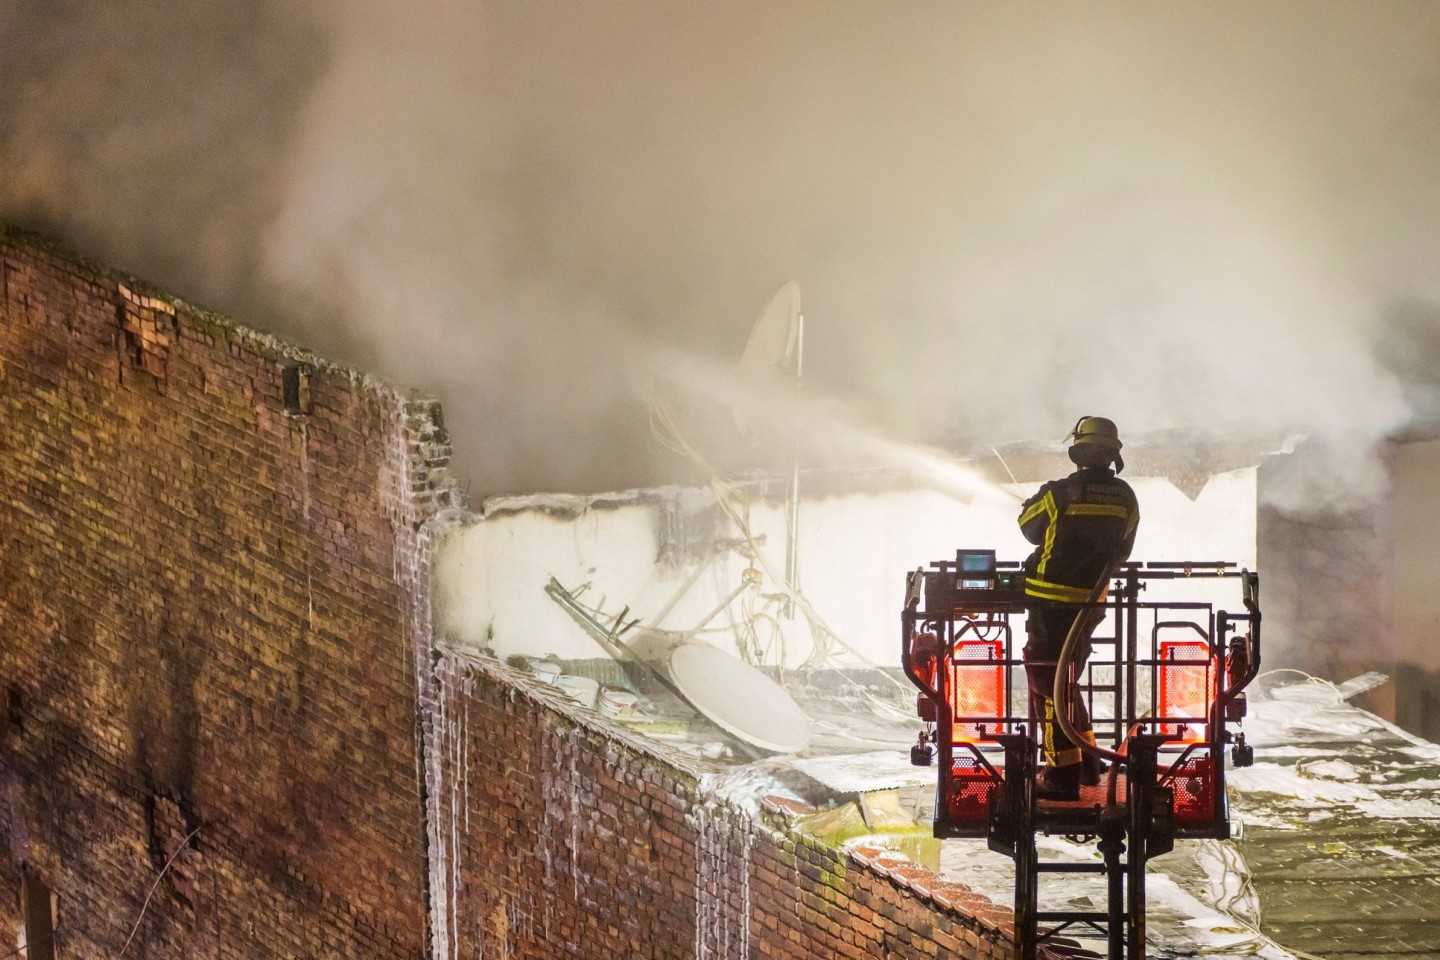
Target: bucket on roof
{"type": "Point", "coordinates": [545, 670]}
{"type": "Point", "coordinates": [617, 703]}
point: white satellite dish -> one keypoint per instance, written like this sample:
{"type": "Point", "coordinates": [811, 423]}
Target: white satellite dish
{"type": "Point", "coordinates": [775, 338]}
{"type": "Point", "coordinates": [773, 350]}
{"type": "Point", "coordinates": [739, 699]}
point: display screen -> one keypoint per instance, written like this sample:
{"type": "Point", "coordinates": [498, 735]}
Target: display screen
{"type": "Point", "coordinates": [974, 569]}
{"type": "Point", "coordinates": [977, 562]}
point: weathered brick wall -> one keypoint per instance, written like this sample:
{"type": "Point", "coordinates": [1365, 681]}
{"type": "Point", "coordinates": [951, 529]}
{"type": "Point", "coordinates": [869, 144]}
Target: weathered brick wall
{"type": "Point", "coordinates": [1326, 577]}
{"type": "Point", "coordinates": [206, 630]}
{"type": "Point", "coordinates": [558, 835]}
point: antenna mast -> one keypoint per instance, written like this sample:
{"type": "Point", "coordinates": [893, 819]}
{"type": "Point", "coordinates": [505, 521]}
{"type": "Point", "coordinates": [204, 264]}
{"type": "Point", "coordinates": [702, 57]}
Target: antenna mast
{"type": "Point", "coordinates": [792, 523]}
{"type": "Point", "coordinates": [776, 348]}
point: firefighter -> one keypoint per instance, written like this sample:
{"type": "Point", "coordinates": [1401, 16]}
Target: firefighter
{"type": "Point", "coordinates": [1080, 525]}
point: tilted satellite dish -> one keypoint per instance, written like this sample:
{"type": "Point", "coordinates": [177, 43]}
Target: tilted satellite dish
{"type": "Point", "coordinates": [738, 698]}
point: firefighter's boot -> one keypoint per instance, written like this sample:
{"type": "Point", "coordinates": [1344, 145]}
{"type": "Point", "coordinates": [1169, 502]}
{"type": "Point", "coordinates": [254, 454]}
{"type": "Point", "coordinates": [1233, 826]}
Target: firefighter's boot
{"type": "Point", "coordinates": [1092, 768]}
{"type": "Point", "coordinates": [1059, 783]}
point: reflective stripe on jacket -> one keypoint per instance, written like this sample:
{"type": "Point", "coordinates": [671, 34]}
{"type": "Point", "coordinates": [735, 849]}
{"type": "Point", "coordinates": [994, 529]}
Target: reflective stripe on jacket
{"type": "Point", "coordinates": [1080, 525]}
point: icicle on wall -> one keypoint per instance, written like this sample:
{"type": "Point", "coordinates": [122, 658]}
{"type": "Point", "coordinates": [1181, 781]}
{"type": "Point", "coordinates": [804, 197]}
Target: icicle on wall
{"type": "Point", "coordinates": [440, 852]}
{"type": "Point", "coordinates": [451, 805]}
{"type": "Point", "coordinates": [560, 823]}
{"type": "Point", "coordinates": [722, 888]}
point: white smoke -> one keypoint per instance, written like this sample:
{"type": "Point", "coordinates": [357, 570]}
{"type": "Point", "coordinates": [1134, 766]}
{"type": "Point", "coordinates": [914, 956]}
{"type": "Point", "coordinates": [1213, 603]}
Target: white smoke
{"type": "Point", "coordinates": [1002, 217]}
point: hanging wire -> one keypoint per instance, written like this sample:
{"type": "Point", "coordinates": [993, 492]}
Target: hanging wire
{"type": "Point", "coordinates": [1309, 677]}
{"type": "Point", "coordinates": [154, 886]}
{"type": "Point", "coordinates": [731, 499]}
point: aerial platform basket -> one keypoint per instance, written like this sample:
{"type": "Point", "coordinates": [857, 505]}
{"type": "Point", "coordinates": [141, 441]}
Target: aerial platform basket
{"type": "Point", "coordinates": [1164, 686]}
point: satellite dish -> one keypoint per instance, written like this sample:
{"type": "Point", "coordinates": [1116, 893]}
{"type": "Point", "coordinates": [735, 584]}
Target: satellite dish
{"type": "Point", "coordinates": [776, 334]}
{"type": "Point", "coordinates": [773, 349]}
{"type": "Point", "coordinates": [738, 698]}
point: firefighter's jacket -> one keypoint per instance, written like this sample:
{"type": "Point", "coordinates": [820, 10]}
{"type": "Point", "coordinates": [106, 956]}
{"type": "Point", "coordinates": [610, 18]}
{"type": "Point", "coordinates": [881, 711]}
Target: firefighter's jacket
{"type": "Point", "coordinates": [1080, 525]}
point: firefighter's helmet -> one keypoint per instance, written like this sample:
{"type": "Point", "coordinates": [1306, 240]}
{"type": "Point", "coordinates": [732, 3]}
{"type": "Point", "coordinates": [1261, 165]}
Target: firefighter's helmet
{"type": "Point", "coordinates": [1095, 442]}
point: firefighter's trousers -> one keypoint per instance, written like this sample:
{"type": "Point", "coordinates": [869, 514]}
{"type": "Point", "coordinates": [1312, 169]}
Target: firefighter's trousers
{"type": "Point", "coordinates": [1048, 625]}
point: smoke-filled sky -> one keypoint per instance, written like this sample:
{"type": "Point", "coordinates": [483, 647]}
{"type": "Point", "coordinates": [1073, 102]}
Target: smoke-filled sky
{"type": "Point", "coordinates": [1001, 216]}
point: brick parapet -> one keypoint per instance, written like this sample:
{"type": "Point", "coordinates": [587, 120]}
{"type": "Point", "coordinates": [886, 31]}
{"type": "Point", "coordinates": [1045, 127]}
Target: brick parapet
{"type": "Point", "coordinates": [560, 833]}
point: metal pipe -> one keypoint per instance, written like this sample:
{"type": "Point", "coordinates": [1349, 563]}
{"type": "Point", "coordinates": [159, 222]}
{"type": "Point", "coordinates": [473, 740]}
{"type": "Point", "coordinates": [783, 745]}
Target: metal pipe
{"type": "Point", "coordinates": [747, 580]}
{"type": "Point", "coordinates": [793, 513]}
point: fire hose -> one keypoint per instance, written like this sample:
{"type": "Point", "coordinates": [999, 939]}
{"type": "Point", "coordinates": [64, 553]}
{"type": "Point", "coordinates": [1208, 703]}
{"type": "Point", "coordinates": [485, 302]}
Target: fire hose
{"type": "Point", "coordinates": [1062, 690]}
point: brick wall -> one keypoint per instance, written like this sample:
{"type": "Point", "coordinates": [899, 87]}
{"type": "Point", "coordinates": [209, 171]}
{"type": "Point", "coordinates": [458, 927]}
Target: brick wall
{"type": "Point", "coordinates": [207, 614]}
{"type": "Point", "coordinates": [1327, 577]}
{"type": "Point", "coordinates": [558, 835]}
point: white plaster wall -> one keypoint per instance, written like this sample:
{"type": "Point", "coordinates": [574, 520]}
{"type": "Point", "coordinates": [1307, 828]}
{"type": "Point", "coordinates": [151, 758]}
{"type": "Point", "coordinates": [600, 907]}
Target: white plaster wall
{"type": "Point", "coordinates": [854, 553]}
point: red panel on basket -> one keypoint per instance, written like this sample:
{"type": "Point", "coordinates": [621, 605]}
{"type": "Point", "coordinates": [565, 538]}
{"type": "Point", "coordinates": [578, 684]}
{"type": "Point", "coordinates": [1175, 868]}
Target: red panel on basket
{"type": "Point", "coordinates": [977, 688]}
{"type": "Point", "coordinates": [970, 787]}
{"type": "Point", "coordinates": [1184, 686]}
{"type": "Point", "coordinates": [1194, 784]}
